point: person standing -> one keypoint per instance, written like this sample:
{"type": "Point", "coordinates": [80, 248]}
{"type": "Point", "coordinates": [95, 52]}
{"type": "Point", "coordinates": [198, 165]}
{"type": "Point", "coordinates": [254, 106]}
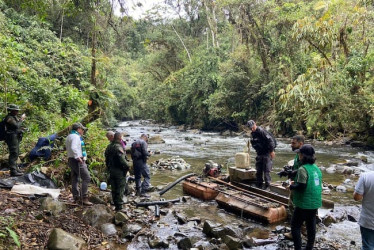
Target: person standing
{"type": "Point", "coordinates": [139, 155]}
{"type": "Point", "coordinates": [77, 156]}
{"type": "Point", "coordinates": [13, 137]}
{"type": "Point", "coordinates": [296, 143]}
{"type": "Point", "coordinates": [307, 197]}
{"type": "Point", "coordinates": [110, 136]}
{"type": "Point", "coordinates": [364, 191]}
{"type": "Point", "coordinates": [264, 144]}
{"type": "Point", "coordinates": [117, 166]}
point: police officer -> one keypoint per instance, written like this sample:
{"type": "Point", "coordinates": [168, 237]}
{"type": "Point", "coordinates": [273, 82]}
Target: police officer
{"type": "Point", "coordinates": [139, 155]}
{"type": "Point", "coordinates": [264, 145]}
{"type": "Point", "coordinates": [13, 137]}
{"type": "Point", "coordinates": [117, 166]}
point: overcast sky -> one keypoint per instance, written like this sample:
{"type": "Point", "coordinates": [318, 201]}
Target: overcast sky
{"type": "Point", "coordinates": [139, 8]}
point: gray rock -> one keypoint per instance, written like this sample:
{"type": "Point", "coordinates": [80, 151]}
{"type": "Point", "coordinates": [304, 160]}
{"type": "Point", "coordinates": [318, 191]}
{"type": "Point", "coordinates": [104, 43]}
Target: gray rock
{"type": "Point", "coordinates": [328, 220]}
{"type": "Point", "coordinates": [156, 139]}
{"type": "Point", "coordinates": [98, 215]}
{"type": "Point", "coordinates": [155, 242]}
{"type": "Point", "coordinates": [108, 229]}
{"type": "Point", "coordinates": [331, 170]}
{"type": "Point", "coordinates": [232, 242]}
{"type": "Point", "coordinates": [341, 189]}
{"type": "Point", "coordinates": [53, 206]}
{"type": "Point", "coordinates": [208, 227]}
{"type": "Point", "coordinates": [219, 232]}
{"type": "Point", "coordinates": [61, 240]}
{"type": "Point", "coordinates": [132, 228]}
{"type": "Point", "coordinates": [120, 218]}
{"type": "Point", "coordinates": [184, 243]}
{"type": "Point", "coordinates": [182, 219]}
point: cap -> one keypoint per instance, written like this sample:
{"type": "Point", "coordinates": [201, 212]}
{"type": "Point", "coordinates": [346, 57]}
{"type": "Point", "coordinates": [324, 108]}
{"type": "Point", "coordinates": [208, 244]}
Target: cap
{"type": "Point", "coordinates": [306, 149]}
{"type": "Point", "coordinates": [78, 125]}
{"type": "Point", "coordinates": [13, 107]}
{"type": "Point", "coordinates": [250, 124]}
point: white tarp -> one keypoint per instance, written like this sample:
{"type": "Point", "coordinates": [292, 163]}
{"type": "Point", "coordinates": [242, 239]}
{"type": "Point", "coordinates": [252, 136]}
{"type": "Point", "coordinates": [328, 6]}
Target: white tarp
{"type": "Point", "coordinates": [31, 189]}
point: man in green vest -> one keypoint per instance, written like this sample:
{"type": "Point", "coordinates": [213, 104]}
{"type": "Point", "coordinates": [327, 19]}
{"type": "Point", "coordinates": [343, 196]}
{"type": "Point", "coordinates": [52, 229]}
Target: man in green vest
{"type": "Point", "coordinates": [307, 197]}
{"type": "Point", "coordinates": [117, 166]}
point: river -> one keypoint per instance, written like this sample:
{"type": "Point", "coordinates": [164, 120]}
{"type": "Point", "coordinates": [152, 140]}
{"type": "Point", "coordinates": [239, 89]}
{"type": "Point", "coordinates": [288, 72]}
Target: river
{"type": "Point", "coordinates": [197, 147]}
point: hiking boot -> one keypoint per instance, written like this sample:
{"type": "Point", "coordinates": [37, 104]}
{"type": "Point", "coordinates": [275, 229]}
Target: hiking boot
{"type": "Point", "coordinates": [144, 195]}
{"type": "Point", "coordinates": [77, 200]}
{"type": "Point", "coordinates": [151, 189]}
{"type": "Point", "coordinates": [86, 202]}
{"type": "Point", "coordinates": [118, 208]}
{"type": "Point", "coordinates": [16, 173]}
{"type": "Point", "coordinates": [288, 236]}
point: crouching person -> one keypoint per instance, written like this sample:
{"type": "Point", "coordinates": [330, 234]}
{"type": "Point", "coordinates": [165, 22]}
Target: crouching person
{"type": "Point", "coordinates": [117, 166]}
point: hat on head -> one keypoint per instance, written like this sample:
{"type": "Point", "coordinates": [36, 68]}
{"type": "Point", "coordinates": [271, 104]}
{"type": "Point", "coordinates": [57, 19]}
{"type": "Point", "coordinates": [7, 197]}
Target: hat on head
{"type": "Point", "coordinates": [13, 107]}
{"type": "Point", "coordinates": [250, 124]}
{"type": "Point", "coordinates": [306, 149]}
{"type": "Point", "coordinates": [78, 125]}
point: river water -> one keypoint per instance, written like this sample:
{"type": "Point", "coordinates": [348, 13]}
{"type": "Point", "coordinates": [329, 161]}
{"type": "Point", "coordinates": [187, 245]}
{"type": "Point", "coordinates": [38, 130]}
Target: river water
{"type": "Point", "coordinates": [197, 147]}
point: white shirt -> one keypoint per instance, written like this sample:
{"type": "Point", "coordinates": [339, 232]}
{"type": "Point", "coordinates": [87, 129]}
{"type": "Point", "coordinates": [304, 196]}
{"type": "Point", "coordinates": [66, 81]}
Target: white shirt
{"type": "Point", "coordinates": [365, 187]}
{"type": "Point", "coordinates": [74, 146]}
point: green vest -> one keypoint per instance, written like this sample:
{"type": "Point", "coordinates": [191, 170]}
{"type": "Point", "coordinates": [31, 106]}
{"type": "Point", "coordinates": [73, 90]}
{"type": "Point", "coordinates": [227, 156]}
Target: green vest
{"type": "Point", "coordinates": [311, 196]}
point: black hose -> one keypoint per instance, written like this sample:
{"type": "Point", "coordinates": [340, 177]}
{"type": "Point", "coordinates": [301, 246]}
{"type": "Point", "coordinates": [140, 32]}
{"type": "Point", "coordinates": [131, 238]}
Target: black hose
{"type": "Point", "coordinates": [153, 203]}
{"type": "Point", "coordinates": [175, 183]}
{"type": "Point", "coordinates": [157, 211]}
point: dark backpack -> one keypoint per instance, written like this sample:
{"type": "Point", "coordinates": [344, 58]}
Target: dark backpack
{"type": "Point", "coordinates": [2, 130]}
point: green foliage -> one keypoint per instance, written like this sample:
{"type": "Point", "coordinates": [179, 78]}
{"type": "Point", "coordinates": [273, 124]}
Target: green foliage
{"type": "Point", "coordinates": [14, 236]}
{"type": "Point", "coordinates": [7, 232]}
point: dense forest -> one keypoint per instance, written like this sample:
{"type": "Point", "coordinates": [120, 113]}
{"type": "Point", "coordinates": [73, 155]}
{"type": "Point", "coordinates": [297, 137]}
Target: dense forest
{"type": "Point", "coordinates": [295, 65]}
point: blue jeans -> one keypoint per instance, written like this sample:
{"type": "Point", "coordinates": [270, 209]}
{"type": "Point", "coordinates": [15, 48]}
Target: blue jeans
{"type": "Point", "coordinates": [141, 169]}
{"type": "Point", "coordinates": [367, 236]}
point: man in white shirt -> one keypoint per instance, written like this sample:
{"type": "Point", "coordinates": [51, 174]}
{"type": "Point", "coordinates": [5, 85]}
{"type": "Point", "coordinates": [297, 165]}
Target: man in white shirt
{"type": "Point", "coordinates": [77, 162]}
{"type": "Point", "coordinates": [364, 191]}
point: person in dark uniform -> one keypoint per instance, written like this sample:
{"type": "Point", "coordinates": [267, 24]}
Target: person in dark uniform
{"type": "Point", "coordinates": [264, 145]}
{"type": "Point", "coordinates": [13, 137]}
{"type": "Point", "coordinates": [117, 166]}
{"type": "Point", "coordinates": [139, 155]}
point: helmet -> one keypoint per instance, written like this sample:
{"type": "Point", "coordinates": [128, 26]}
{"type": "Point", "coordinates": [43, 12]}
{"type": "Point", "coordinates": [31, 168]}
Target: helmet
{"type": "Point", "coordinates": [13, 107]}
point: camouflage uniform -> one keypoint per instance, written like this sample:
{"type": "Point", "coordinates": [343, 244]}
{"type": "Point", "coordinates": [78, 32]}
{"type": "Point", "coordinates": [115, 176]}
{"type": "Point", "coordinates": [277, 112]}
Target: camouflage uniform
{"type": "Point", "coordinates": [117, 166]}
{"type": "Point", "coordinates": [13, 138]}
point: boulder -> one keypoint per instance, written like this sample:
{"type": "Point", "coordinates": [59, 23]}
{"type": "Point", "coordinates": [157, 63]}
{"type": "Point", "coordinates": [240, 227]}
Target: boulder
{"type": "Point", "coordinates": [120, 218]}
{"type": "Point", "coordinates": [155, 242]}
{"type": "Point", "coordinates": [108, 229]}
{"type": "Point", "coordinates": [184, 243]}
{"type": "Point", "coordinates": [208, 227]}
{"type": "Point", "coordinates": [156, 139]}
{"type": "Point", "coordinates": [331, 170]}
{"type": "Point", "coordinates": [61, 240]}
{"type": "Point", "coordinates": [341, 189]}
{"type": "Point", "coordinates": [97, 215]}
{"type": "Point", "coordinates": [129, 230]}
{"type": "Point", "coordinates": [232, 242]}
{"type": "Point", "coordinates": [53, 206]}
{"type": "Point", "coordinates": [219, 232]}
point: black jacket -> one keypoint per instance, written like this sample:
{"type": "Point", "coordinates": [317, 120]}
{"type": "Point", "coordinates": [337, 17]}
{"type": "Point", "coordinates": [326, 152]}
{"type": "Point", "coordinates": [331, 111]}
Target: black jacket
{"type": "Point", "coordinates": [262, 141]}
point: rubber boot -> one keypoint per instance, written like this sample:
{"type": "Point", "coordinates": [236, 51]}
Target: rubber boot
{"type": "Point", "coordinates": [86, 202]}
{"type": "Point", "coordinates": [15, 173]}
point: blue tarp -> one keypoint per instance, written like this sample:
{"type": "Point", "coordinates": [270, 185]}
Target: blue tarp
{"type": "Point", "coordinates": [43, 148]}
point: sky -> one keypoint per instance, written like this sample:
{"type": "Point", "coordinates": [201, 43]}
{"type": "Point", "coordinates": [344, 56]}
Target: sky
{"type": "Point", "coordinates": [138, 8]}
